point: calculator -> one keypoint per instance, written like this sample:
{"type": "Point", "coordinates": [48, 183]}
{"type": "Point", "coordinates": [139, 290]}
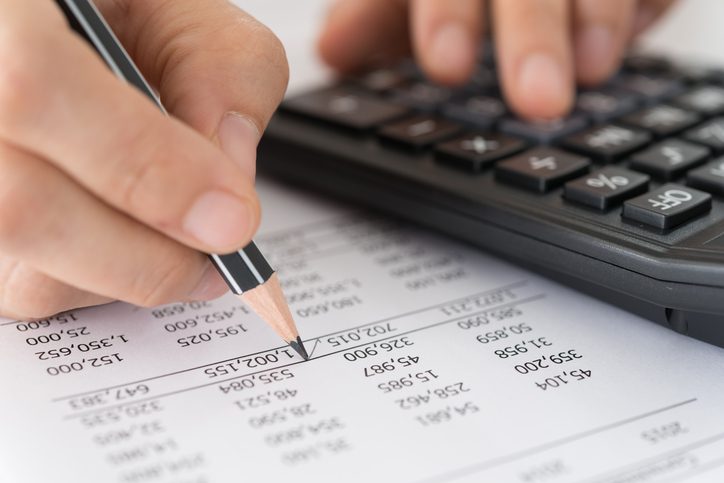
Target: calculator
{"type": "Point", "coordinates": [623, 199]}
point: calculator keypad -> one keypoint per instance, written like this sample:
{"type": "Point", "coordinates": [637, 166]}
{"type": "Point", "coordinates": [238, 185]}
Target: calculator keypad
{"type": "Point", "coordinates": [612, 152]}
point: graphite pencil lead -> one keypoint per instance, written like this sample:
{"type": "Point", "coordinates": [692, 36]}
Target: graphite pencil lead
{"type": "Point", "coordinates": [298, 346]}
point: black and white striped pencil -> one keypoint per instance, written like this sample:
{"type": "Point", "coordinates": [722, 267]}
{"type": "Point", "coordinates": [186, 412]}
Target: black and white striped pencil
{"type": "Point", "coordinates": [246, 271]}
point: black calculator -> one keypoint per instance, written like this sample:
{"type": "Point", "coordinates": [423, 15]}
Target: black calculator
{"type": "Point", "coordinates": [623, 199]}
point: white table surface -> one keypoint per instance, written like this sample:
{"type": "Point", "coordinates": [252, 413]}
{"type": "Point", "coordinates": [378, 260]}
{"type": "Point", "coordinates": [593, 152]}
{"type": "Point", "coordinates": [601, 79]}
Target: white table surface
{"type": "Point", "coordinates": [692, 29]}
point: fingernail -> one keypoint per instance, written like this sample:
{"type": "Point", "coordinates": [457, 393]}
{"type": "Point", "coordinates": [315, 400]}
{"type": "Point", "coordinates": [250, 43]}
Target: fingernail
{"type": "Point", "coordinates": [211, 285]}
{"type": "Point", "coordinates": [219, 220]}
{"type": "Point", "coordinates": [453, 49]}
{"type": "Point", "coordinates": [542, 82]}
{"type": "Point", "coordinates": [595, 48]}
{"type": "Point", "coordinates": [238, 138]}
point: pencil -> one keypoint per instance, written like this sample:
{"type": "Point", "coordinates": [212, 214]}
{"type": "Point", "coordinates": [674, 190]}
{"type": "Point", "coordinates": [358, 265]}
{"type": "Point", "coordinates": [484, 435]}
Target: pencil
{"type": "Point", "coordinates": [246, 272]}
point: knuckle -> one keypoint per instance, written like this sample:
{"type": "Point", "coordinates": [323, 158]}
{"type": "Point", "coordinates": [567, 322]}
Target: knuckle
{"type": "Point", "coordinates": [262, 45]}
{"type": "Point", "coordinates": [27, 294]}
{"type": "Point", "coordinates": [277, 57]}
{"type": "Point", "coordinates": [18, 79]}
{"type": "Point", "coordinates": [139, 161]}
{"type": "Point", "coordinates": [159, 285]}
{"type": "Point", "coordinates": [16, 201]}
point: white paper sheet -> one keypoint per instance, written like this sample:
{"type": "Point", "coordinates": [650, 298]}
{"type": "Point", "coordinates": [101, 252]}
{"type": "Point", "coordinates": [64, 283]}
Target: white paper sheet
{"type": "Point", "coordinates": [431, 362]}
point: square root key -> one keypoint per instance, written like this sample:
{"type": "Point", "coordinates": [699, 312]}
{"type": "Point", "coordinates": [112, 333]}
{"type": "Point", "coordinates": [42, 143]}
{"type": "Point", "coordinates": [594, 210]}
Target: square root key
{"type": "Point", "coordinates": [541, 169]}
{"type": "Point", "coordinates": [669, 159]}
{"type": "Point", "coordinates": [667, 207]}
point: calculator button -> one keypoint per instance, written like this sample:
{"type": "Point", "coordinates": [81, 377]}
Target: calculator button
{"type": "Point", "coordinates": [698, 73]}
{"type": "Point", "coordinates": [606, 188]}
{"type": "Point", "coordinates": [649, 88]}
{"type": "Point", "coordinates": [662, 120]}
{"type": "Point", "coordinates": [474, 151]}
{"type": "Point", "coordinates": [709, 178]}
{"type": "Point", "coordinates": [667, 207]}
{"type": "Point", "coordinates": [345, 107]}
{"type": "Point", "coordinates": [608, 143]}
{"type": "Point", "coordinates": [706, 100]}
{"type": "Point", "coordinates": [383, 80]}
{"type": "Point", "coordinates": [541, 169]}
{"type": "Point", "coordinates": [483, 80]}
{"type": "Point", "coordinates": [605, 104]}
{"type": "Point", "coordinates": [640, 62]}
{"type": "Point", "coordinates": [710, 134]}
{"type": "Point", "coordinates": [480, 111]}
{"type": "Point", "coordinates": [422, 95]}
{"type": "Point", "coordinates": [419, 131]}
{"type": "Point", "coordinates": [543, 132]}
{"type": "Point", "coordinates": [669, 159]}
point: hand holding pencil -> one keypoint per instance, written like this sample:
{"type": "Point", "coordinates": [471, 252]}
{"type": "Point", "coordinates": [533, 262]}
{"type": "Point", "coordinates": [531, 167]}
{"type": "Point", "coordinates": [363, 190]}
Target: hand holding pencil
{"type": "Point", "coordinates": [104, 197]}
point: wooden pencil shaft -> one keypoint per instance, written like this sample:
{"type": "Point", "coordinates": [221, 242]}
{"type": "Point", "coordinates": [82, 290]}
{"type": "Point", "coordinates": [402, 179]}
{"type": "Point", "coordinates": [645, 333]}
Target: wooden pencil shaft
{"type": "Point", "coordinates": [268, 301]}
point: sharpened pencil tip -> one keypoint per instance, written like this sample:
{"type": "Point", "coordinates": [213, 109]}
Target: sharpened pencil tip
{"type": "Point", "coordinates": [298, 346]}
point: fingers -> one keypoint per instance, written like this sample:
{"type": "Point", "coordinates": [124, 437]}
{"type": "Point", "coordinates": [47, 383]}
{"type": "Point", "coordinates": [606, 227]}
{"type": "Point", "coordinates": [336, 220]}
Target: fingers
{"type": "Point", "coordinates": [446, 36]}
{"type": "Point", "coordinates": [358, 34]}
{"type": "Point", "coordinates": [219, 70]}
{"type": "Point", "coordinates": [26, 293]}
{"type": "Point", "coordinates": [60, 229]}
{"type": "Point", "coordinates": [118, 145]}
{"type": "Point", "coordinates": [648, 12]}
{"type": "Point", "coordinates": [601, 34]}
{"type": "Point", "coordinates": [534, 56]}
